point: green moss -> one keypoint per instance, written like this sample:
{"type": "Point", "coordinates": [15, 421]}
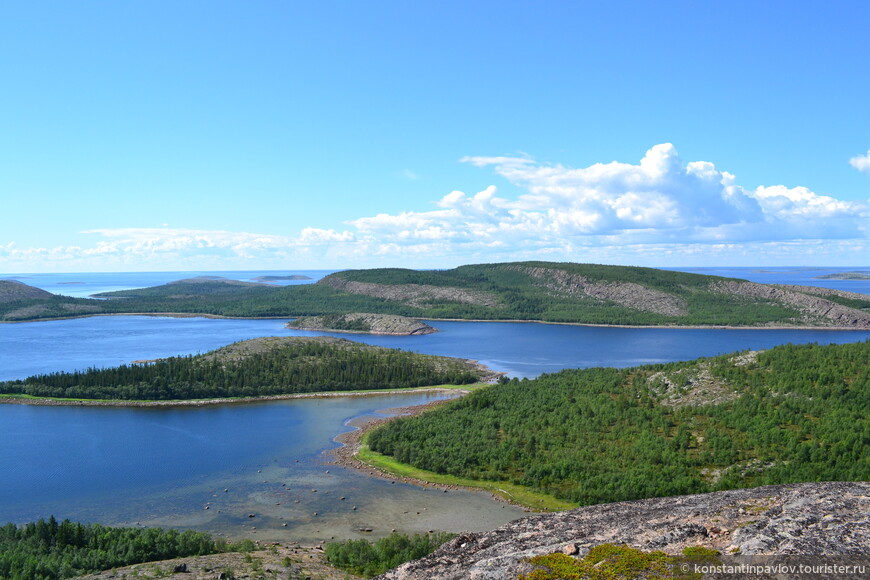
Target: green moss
{"type": "Point", "coordinates": [514, 493]}
{"type": "Point", "coordinates": [699, 551]}
{"type": "Point", "coordinates": [604, 562]}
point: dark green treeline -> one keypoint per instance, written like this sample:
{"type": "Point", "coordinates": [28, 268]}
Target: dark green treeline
{"type": "Point", "coordinates": [48, 550]}
{"type": "Point", "coordinates": [281, 366]}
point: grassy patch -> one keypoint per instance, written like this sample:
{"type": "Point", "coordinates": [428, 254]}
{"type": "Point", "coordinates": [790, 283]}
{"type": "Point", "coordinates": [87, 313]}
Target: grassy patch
{"type": "Point", "coordinates": [612, 562]}
{"type": "Point", "coordinates": [512, 492]}
{"type": "Point", "coordinates": [472, 387]}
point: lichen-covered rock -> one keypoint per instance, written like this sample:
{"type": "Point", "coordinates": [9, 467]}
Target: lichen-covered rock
{"type": "Point", "coordinates": [363, 322]}
{"type": "Point", "coordinates": [412, 294]}
{"type": "Point", "coordinates": [799, 519]}
{"type": "Point", "coordinates": [816, 310]}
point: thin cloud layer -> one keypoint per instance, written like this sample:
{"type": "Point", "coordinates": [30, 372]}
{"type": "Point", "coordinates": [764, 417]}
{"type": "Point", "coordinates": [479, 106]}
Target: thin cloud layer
{"type": "Point", "coordinates": [660, 211]}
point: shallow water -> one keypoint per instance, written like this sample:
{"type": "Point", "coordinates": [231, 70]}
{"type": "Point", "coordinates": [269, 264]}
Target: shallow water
{"type": "Point", "coordinates": [158, 466]}
{"type": "Point", "coordinates": [164, 466]}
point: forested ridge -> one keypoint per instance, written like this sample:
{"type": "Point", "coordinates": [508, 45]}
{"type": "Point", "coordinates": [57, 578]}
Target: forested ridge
{"type": "Point", "coordinates": [545, 291]}
{"type": "Point", "coordinates": [589, 294]}
{"type": "Point", "coordinates": [258, 367]}
{"type": "Point", "coordinates": [790, 414]}
{"type": "Point", "coordinates": [49, 550]}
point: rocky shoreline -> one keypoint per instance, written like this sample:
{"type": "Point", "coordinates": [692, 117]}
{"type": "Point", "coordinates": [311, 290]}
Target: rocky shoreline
{"type": "Point", "coordinates": [205, 402]}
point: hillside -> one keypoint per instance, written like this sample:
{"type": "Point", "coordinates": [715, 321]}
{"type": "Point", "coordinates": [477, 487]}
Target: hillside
{"type": "Point", "coordinates": [595, 294]}
{"type": "Point", "coordinates": [791, 521]}
{"type": "Point", "coordinates": [18, 301]}
{"type": "Point", "coordinates": [539, 291]}
{"type": "Point", "coordinates": [255, 368]}
{"type": "Point", "coordinates": [11, 290]}
{"type": "Point", "coordinates": [790, 414]}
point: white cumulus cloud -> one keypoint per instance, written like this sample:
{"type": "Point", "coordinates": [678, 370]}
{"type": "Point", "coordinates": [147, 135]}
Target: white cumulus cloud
{"type": "Point", "coordinates": [861, 162]}
{"type": "Point", "coordinates": [661, 210]}
{"type": "Point", "coordinates": [564, 211]}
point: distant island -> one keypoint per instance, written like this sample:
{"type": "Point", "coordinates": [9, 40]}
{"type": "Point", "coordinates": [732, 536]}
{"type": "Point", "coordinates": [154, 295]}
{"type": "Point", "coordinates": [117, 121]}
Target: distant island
{"type": "Point", "coordinates": [520, 291]}
{"type": "Point", "coordinates": [363, 322]}
{"type": "Point", "coordinates": [845, 276]}
{"type": "Point", "coordinates": [281, 278]}
{"type": "Point", "coordinates": [260, 367]}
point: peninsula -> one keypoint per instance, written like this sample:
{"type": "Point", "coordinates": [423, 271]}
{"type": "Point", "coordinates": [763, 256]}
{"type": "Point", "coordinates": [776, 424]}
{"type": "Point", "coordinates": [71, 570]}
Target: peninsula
{"type": "Point", "coordinates": [794, 413]}
{"type": "Point", "coordinates": [260, 367]}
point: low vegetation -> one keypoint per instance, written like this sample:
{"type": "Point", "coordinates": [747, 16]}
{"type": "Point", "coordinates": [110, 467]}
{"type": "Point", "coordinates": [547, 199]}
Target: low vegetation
{"type": "Point", "coordinates": [49, 550]}
{"type": "Point", "coordinates": [255, 368]}
{"type": "Point", "coordinates": [372, 558]}
{"type": "Point", "coordinates": [791, 414]}
{"type": "Point", "coordinates": [612, 562]}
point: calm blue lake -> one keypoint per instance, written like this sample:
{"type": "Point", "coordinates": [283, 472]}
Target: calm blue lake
{"type": "Point", "coordinates": [165, 466]}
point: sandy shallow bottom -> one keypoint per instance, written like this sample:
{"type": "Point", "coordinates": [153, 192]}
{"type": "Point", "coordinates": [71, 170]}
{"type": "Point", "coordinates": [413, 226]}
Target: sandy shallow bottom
{"type": "Point", "coordinates": [287, 486]}
{"type": "Point", "coordinates": [309, 500]}
{"type": "Point", "coordinates": [276, 505]}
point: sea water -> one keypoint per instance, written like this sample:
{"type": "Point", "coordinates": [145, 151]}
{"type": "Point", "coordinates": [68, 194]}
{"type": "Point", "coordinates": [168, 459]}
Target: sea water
{"type": "Point", "coordinates": [170, 467]}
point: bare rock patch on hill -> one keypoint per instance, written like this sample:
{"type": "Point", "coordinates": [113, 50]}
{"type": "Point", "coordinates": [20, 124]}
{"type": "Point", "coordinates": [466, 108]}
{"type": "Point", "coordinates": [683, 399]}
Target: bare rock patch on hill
{"type": "Point", "coordinates": [363, 322]}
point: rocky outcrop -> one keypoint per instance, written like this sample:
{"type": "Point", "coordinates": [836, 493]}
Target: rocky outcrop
{"type": "Point", "coordinates": [627, 294]}
{"type": "Point", "coordinates": [813, 308]}
{"type": "Point", "coordinates": [413, 294]}
{"type": "Point", "coordinates": [799, 519]}
{"type": "Point", "coordinates": [363, 322]}
{"type": "Point", "coordinates": [819, 291]}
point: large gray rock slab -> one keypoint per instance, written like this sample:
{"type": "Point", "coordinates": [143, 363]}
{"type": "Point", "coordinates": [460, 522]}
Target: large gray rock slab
{"type": "Point", "coordinates": [828, 519]}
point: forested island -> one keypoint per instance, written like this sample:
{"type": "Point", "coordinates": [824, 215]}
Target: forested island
{"type": "Point", "coordinates": [845, 276]}
{"type": "Point", "coordinates": [533, 291]}
{"type": "Point", "coordinates": [790, 414]}
{"type": "Point", "coordinates": [254, 368]}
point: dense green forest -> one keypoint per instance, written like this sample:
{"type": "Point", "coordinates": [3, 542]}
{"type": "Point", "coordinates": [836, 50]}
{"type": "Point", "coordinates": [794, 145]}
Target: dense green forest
{"type": "Point", "coordinates": [49, 550]}
{"type": "Point", "coordinates": [258, 367]}
{"type": "Point", "coordinates": [553, 292]}
{"type": "Point", "coordinates": [372, 558]}
{"type": "Point", "coordinates": [790, 414]}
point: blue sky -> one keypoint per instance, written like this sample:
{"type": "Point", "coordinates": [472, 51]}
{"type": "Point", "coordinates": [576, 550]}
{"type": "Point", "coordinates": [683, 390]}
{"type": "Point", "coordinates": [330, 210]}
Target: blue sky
{"type": "Point", "coordinates": [278, 135]}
